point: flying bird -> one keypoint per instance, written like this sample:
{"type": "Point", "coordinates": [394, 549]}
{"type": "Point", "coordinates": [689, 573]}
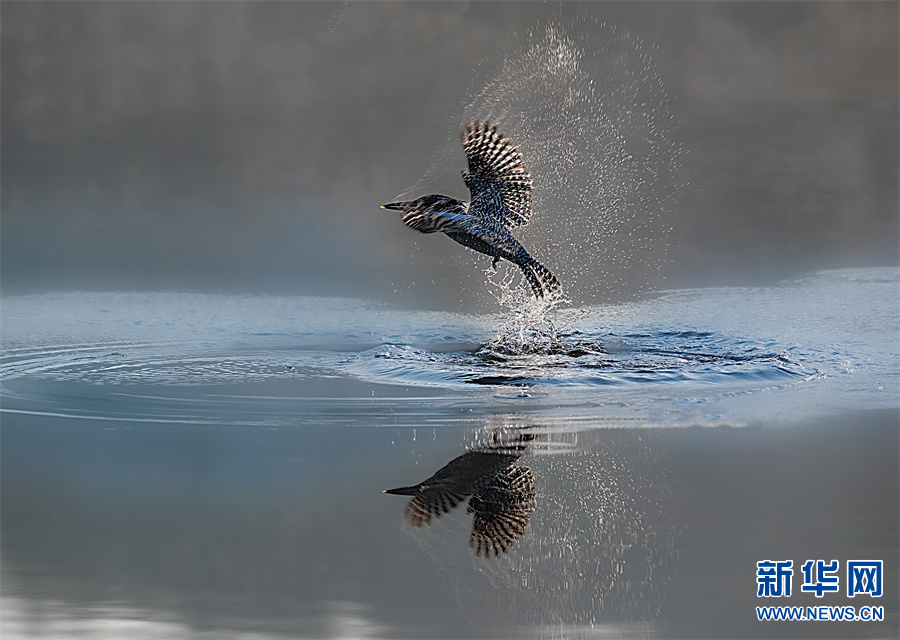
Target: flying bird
{"type": "Point", "coordinates": [500, 187]}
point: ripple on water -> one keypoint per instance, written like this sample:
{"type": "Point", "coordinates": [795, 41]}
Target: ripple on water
{"type": "Point", "coordinates": [650, 359]}
{"type": "Point", "coordinates": [699, 343]}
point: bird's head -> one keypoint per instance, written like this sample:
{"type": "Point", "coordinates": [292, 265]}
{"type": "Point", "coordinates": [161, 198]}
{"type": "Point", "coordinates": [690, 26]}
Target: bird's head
{"type": "Point", "coordinates": [400, 206]}
{"type": "Point", "coordinates": [425, 204]}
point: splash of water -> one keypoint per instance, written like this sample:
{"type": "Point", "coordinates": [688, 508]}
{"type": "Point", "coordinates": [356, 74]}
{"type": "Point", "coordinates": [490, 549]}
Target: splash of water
{"type": "Point", "coordinates": [527, 326]}
{"type": "Point", "coordinates": [587, 108]}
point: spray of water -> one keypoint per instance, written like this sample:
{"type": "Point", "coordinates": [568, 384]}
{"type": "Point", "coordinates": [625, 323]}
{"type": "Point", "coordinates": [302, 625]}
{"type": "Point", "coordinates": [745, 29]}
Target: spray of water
{"type": "Point", "coordinates": [527, 326]}
{"type": "Point", "coordinates": [587, 108]}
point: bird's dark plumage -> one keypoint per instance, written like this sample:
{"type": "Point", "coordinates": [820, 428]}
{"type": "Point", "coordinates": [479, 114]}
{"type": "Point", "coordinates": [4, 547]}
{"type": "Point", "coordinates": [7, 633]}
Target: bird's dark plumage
{"type": "Point", "coordinates": [502, 497]}
{"type": "Point", "coordinates": [502, 510]}
{"type": "Point", "coordinates": [453, 483]}
{"type": "Point", "coordinates": [501, 201]}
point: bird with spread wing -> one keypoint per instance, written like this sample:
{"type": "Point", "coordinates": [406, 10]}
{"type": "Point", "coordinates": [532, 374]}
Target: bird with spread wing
{"type": "Point", "coordinates": [500, 187]}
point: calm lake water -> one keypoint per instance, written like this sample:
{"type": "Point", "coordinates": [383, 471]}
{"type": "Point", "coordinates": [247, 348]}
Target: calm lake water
{"type": "Point", "coordinates": [213, 466]}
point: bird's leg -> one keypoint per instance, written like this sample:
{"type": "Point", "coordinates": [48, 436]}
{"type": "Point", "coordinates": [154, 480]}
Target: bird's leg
{"type": "Point", "coordinates": [494, 263]}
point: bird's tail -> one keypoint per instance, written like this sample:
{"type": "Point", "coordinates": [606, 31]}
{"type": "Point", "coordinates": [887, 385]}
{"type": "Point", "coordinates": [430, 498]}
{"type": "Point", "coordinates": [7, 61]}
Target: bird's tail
{"type": "Point", "coordinates": [542, 282]}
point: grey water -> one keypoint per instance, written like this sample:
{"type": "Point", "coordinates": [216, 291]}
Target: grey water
{"type": "Point", "coordinates": [218, 352]}
{"type": "Point", "coordinates": [185, 465]}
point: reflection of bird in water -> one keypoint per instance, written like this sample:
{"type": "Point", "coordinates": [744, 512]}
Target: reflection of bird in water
{"type": "Point", "coordinates": [501, 201]}
{"type": "Point", "coordinates": [502, 497]}
{"type": "Point", "coordinates": [502, 510]}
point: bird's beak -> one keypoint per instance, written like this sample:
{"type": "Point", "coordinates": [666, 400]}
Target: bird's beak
{"type": "Point", "coordinates": [403, 491]}
{"type": "Point", "coordinates": [396, 206]}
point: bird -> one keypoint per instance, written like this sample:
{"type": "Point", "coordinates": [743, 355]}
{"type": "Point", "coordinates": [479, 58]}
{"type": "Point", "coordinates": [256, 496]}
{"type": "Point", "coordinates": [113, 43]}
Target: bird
{"type": "Point", "coordinates": [500, 189]}
{"type": "Point", "coordinates": [502, 497]}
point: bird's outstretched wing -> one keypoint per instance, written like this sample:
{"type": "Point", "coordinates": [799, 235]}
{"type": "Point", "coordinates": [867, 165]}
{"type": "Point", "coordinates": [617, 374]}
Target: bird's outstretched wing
{"type": "Point", "coordinates": [502, 510]}
{"type": "Point", "coordinates": [497, 179]}
{"type": "Point", "coordinates": [431, 504]}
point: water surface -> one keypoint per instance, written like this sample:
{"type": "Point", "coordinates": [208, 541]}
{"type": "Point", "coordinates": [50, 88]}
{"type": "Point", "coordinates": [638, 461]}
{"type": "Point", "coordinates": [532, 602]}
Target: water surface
{"type": "Point", "coordinates": [198, 465]}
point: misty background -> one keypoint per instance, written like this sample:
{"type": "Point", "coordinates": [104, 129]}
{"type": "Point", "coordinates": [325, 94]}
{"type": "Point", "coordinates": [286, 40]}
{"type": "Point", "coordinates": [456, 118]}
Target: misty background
{"type": "Point", "coordinates": [247, 146]}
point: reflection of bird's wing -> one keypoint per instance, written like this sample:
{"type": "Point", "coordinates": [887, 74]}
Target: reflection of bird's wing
{"type": "Point", "coordinates": [461, 477]}
{"type": "Point", "coordinates": [431, 503]}
{"type": "Point", "coordinates": [502, 510]}
{"type": "Point", "coordinates": [497, 179]}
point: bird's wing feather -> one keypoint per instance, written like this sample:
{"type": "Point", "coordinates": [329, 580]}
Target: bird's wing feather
{"type": "Point", "coordinates": [497, 178]}
{"type": "Point", "coordinates": [502, 510]}
{"type": "Point", "coordinates": [430, 504]}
